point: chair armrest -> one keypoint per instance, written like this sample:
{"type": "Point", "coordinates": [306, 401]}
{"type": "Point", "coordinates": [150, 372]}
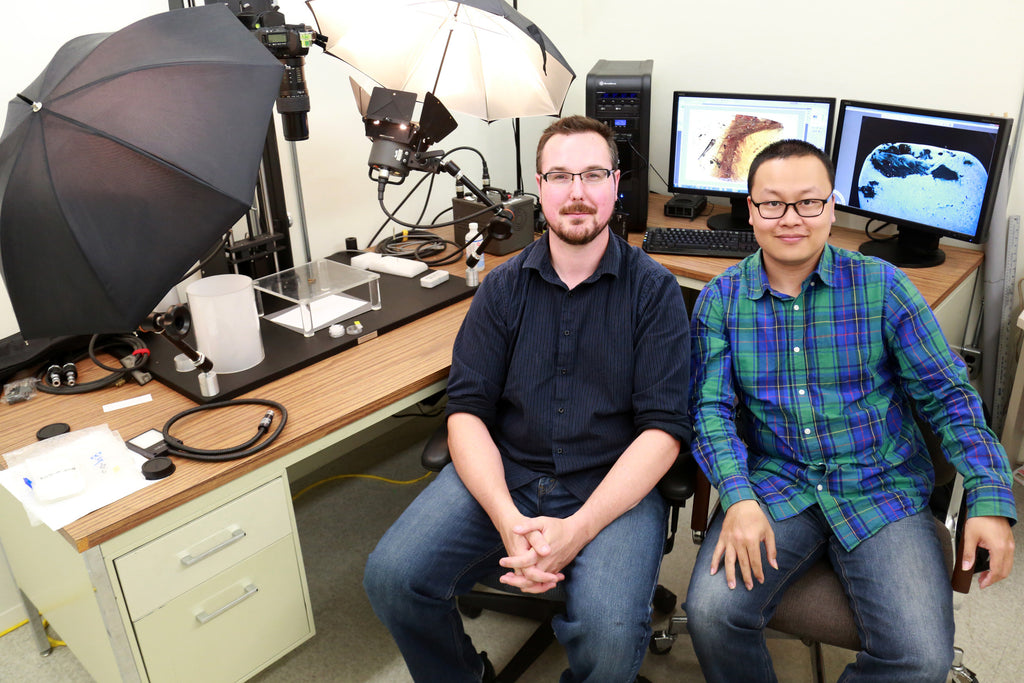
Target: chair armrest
{"type": "Point", "coordinates": [435, 453]}
{"type": "Point", "coordinates": [700, 513]}
{"type": "Point", "coordinates": [961, 579]}
{"type": "Point", "coordinates": [678, 484]}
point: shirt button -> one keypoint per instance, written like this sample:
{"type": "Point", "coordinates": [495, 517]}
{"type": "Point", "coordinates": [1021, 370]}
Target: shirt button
{"type": "Point", "coordinates": [564, 371]}
{"type": "Point", "coordinates": [796, 349]}
{"type": "Point", "coordinates": [796, 307]}
{"type": "Point", "coordinates": [801, 392]}
{"type": "Point", "coordinates": [566, 333]}
{"type": "Point", "coordinates": [559, 451]}
{"type": "Point", "coordinates": [807, 430]}
{"type": "Point", "coordinates": [820, 487]}
{"type": "Point", "coordinates": [561, 410]}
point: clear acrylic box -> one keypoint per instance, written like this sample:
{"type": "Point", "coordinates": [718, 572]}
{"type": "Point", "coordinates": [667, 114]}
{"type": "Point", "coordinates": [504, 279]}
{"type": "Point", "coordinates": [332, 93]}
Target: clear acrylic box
{"type": "Point", "coordinates": [322, 292]}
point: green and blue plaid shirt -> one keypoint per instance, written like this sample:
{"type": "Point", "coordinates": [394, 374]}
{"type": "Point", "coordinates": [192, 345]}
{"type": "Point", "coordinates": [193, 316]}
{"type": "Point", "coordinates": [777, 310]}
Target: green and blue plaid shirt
{"type": "Point", "coordinates": [805, 400]}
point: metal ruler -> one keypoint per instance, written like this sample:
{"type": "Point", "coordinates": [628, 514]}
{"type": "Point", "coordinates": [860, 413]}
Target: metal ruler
{"type": "Point", "coordinates": [1004, 356]}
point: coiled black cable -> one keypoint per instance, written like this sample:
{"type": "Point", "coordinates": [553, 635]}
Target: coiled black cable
{"type": "Point", "coordinates": [176, 447]}
{"type": "Point", "coordinates": [133, 345]}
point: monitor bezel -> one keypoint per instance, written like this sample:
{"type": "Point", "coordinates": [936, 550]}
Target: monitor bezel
{"type": "Point", "coordinates": [677, 189]}
{"type": "Point", "coordinates": [980, 234]}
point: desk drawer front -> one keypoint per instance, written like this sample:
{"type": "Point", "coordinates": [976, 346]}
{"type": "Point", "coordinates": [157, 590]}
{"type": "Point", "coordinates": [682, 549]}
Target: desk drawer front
{"type": "Point", "coordinates": [231, 626]}
{"type": "Point", "coordinates": [168, 566]}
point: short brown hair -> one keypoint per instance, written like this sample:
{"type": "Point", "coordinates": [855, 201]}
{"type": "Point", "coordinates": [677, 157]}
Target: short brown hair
{"type": "Point", "coordinates": [572, 125]}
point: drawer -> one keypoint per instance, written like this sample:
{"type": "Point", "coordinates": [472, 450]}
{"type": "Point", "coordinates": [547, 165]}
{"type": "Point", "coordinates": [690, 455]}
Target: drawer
{"type": "Point", "coordinates": [231, 626]}
{"type": "Point", "coordinates": [168, 566]}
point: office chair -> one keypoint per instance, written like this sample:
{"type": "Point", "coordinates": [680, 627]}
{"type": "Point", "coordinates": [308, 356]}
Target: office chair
{"type": "Point", "coordinates": [815, 609]}
{"type": "Point", "coordinates": [677, 486]}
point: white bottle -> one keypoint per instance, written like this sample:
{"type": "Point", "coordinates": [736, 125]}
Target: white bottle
{"type": "Point", "coordinates": [474, 246]}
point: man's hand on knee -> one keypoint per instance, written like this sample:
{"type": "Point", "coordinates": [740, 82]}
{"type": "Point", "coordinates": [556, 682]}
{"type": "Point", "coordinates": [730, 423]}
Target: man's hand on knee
{"type": "Point", "coordinates": [744, 529]}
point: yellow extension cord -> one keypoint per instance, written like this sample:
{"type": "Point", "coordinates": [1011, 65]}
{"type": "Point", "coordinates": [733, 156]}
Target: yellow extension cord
{"type": "Point", "coordinates": [359, 476]}
{"type": "Point", "coordinates": [53, 641]}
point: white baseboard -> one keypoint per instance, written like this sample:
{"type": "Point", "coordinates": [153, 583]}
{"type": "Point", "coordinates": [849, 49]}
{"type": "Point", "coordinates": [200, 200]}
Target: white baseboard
{"type": "Point", "coordinates": [11, 616]}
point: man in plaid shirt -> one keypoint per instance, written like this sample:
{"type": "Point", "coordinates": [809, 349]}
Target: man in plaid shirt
{"type": "Point", "coordinates": [806, 362]}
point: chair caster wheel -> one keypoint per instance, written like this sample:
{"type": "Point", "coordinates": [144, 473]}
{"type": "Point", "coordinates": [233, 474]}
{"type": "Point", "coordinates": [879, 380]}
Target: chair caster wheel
{"type": "Point", "coordinates": [660, 643]}
{"type": "Point", "coordinates": [664, 600]}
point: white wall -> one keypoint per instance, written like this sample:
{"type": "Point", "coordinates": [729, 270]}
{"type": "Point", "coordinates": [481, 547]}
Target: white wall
{"type": "Point", "coordinates": [930, 53]}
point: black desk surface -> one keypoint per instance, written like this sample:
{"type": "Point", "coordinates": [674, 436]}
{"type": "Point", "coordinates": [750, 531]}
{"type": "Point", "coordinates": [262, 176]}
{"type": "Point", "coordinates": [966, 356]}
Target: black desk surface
{"type": "Point", "coordinates": [285, 351]}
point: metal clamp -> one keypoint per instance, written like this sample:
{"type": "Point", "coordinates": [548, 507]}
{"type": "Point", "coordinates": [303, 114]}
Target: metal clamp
{"type": "Point", "coordinates": [236, 535]}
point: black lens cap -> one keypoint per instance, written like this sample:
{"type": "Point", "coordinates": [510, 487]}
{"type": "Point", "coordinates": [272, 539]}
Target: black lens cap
{"type": "Point", "coordinates": [157, 468]}
{"type": "Point", "coordinates": [52, 430]}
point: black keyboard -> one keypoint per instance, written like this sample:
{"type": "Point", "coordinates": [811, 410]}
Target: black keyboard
{"type": "Point", "coordinates": [699, 242]}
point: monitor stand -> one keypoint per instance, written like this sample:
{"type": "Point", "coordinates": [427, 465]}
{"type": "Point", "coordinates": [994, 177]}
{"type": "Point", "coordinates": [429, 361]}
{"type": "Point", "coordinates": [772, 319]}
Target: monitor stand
{"type": "Point", "coordinates": [738, 218]}
{"type": "Point", "coordinates": [911, 248]}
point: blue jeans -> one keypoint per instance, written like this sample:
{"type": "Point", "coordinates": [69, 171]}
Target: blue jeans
{"type": "Point", "coordinates": [896, 582]}
{"type": "Point", "coordinates": [444, 543]}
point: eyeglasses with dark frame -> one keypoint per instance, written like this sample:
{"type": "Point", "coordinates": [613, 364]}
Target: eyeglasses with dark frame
{"type": "Point", "coordinates": [805, 208]}
{"type": "Point", "coordinates": [592, 176]}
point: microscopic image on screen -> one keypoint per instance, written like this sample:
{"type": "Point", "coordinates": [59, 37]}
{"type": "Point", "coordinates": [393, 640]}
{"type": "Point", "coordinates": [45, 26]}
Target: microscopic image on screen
{"type": "Point", "coordinates": [932, 185]}
{"type": "Point", "coordinates": [740, 142]}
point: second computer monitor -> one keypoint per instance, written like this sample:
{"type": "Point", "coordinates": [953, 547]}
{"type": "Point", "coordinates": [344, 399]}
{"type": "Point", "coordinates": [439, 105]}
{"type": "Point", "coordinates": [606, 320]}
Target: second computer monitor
{"type": "Point", "coordinates": [715, 136]}
{"type": "Point", "coordinates": [932, 173]}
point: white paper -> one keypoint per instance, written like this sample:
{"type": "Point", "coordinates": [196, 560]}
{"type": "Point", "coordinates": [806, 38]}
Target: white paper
{"type": "Point", "coordinates": [325, 311]}
{"type": "Point", "coordinates": [84, 470]}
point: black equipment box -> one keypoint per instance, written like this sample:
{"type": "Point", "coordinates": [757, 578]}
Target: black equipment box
{"type": "Point", "coordinates": [522, 223]}
{"type": "Point", "coordinates": [685, 205]}
{"type": "Point", "coordinates": [619, 94]}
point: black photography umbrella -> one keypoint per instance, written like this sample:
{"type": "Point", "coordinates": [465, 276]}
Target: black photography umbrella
{"type": "Point", "coordinates": [124, 162]}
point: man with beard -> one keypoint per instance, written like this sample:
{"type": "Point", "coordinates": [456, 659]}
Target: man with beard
{"type": "Point", "coordinates": [567, 403]}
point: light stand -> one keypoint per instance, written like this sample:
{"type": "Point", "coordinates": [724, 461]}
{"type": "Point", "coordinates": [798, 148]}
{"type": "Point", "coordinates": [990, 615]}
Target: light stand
{"type": "Point", "coordinates": [400, 145]}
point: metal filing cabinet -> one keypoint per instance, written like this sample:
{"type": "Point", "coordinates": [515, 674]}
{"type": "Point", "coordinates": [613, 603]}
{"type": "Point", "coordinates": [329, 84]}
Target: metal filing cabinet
{"type": "Point", "coordinates": [221, 596]}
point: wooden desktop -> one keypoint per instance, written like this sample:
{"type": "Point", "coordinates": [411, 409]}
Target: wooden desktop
{"type": "Point", "coordinates": [89, 578]}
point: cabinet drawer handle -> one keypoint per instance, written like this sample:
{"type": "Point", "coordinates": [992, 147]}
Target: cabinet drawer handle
{"type": "Point", "coordinates": [236, 535]}
{"type": "Point", "coordinates": [204, 618]}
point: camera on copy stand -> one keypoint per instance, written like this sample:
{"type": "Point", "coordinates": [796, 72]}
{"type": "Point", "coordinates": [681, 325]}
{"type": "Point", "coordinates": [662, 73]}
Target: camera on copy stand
{"type": "Point", "coordinates": [290, 43]}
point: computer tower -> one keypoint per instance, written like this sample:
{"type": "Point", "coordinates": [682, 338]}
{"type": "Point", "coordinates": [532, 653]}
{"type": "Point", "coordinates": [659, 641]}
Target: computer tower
{"type": "Point", "coordinates": [619, 94]}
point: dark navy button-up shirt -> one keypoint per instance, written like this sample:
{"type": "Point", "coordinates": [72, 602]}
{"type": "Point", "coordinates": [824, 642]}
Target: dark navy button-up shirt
{"type": "Point", "coordinates": [566, 379]}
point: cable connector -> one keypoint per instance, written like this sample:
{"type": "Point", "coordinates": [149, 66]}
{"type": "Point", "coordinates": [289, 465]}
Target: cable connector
{"type": "Point", "coordinates": [70, 373]}
{"type": "Point", "coordinates": [53, 375]}
{"type": "Point", "coordinates": [141, 377]}
{"type": "Point", "coordinates": [266, 420]}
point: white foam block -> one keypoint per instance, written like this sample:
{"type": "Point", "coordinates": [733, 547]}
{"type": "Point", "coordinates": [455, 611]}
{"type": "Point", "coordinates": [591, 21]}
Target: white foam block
{"type": "Point", "coordinates": [397, 266]}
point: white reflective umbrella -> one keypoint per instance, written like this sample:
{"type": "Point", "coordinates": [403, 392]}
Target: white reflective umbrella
{"type": "Point", "coordinates": [479, 57]}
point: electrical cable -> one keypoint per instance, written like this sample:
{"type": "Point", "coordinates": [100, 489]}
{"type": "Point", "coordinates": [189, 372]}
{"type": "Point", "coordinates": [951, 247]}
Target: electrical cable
{"type": "Point", "coordinates": [46, 624]}
{"type": "Point", "coordinates": [407, 197]}
{"type": "Point", "coordinates": [214, 251]}
{"type": "Point", "coordinates": [649, 164]}
{"type": "Point", "coordinates": [391, 214]}
{"type": "Point", "coordinates": [870, 234]}
{"type": "Point", "coordinates": [476, 214]}
{"type": "Point", "coordinates": [441, 213]}
{"type": "Point", "coordinates": [338, 477]}
{"type": "Point", "coordinates": [176, 447]}
{"type": "Point", "coordinates": [135, 347]}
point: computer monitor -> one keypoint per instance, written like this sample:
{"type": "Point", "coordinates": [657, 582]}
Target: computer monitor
{"type": "Point", "coordinates": [932, 173]}
{"type": "Point", "coordinates": [715, 136]}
